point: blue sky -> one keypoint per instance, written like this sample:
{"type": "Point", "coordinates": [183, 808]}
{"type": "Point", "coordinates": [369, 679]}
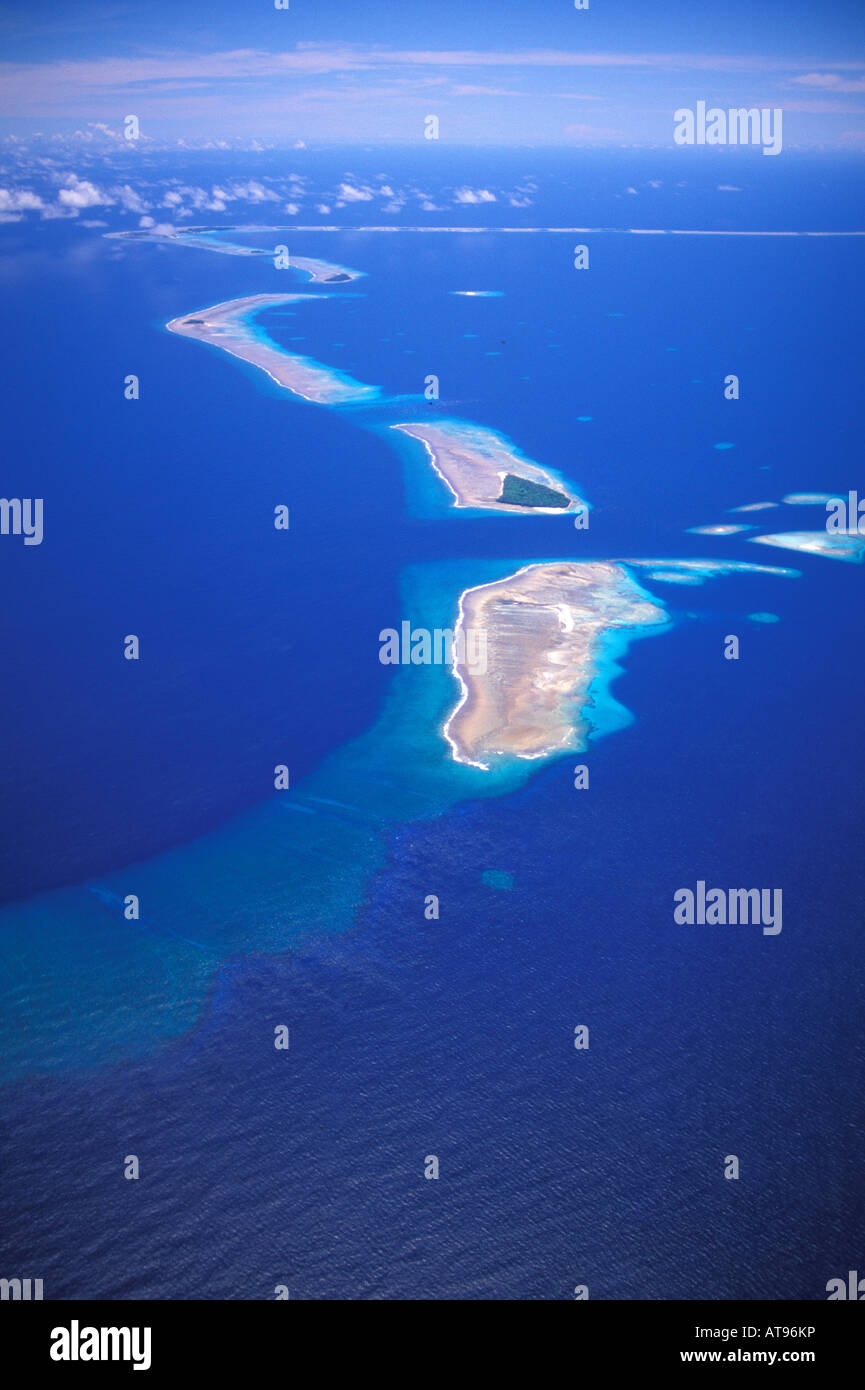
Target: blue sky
{"type": "Point", "coordinates": [510, 72]}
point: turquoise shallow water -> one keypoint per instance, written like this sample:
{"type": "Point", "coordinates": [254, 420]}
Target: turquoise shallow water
{"type": "Point", "coordinates": [87, 985]}
{"type": "Point", "coordinates": [455, 1037]}
{"type": "Point", "coordinates": [96, 987]}
{"type": "Point", "coordinates": [427, 495]}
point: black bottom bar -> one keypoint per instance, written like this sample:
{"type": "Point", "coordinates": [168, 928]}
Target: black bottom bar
{"type": "Point", "coordinates": [224, 1338]}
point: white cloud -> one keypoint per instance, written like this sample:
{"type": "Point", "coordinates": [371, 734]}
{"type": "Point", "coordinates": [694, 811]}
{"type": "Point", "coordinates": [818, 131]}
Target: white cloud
{"type": "Point", "coordinates": [160, 228]}
{"type": "Point", "coordinates": [350, 194]}
{"type": "Point", "coordinates": [250, 192]}
{"type": "Point", "coordinates": [81, 193]}
{"type": "Point", "coordinates": [831, 82]}
{"type": "Point", "coordinates": [19, 201]}
{"type": "Point", "coordinates": [106, 130]}
{"type": "Point", "coordinates": [201, 200]}
{"type": "Point", "coordinates": [129, 199]}
{"type": "Point", "coordinates": [472, 195]}
{"type": "Point", "coordinates": [292, 209]}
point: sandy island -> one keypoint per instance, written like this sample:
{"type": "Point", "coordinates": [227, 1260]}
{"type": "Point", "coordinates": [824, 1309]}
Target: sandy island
{"type": "Point", "coordinates": [831, 545]}
{"type": "Point", "coordinates": [543, 628]}
{"type": "Point", "coordinates": [324, 271]}
{"type": "Point", "coordinates": [481, 469]}
{"type": "Point", "coordinates": [227, 326]}
{"type": "Point", "coordinates": [205, 239]}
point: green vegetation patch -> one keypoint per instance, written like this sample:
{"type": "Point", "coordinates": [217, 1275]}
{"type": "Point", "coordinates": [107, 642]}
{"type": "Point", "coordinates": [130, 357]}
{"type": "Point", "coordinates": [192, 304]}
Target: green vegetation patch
{"type": "Point", "coordinates": [519, 492]}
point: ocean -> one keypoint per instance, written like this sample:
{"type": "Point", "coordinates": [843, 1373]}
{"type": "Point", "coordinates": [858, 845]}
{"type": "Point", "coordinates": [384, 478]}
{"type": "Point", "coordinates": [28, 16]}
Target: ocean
{"type": "Point", "coordinates": [412, 1037]}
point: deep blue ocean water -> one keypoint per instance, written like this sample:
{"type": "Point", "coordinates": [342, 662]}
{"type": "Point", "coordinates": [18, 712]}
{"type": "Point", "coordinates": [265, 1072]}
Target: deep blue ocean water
{"type": "Point", "coordinates": [411, 1037]}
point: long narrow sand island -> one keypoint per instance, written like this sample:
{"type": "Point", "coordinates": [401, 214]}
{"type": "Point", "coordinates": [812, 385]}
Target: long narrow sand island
{"type": "Point", "coordinates": [229, 326]}
{"type": "Point", "coordinates": [208, 239]}
{"type": "Point", "coordinates": [544, 627]}
{"type": "Point", "coordinates": [831, 545]}
{"type": "Point", "coordinates": [483, 469]}
{"type": "Point", "coordinates": [324, 271]}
